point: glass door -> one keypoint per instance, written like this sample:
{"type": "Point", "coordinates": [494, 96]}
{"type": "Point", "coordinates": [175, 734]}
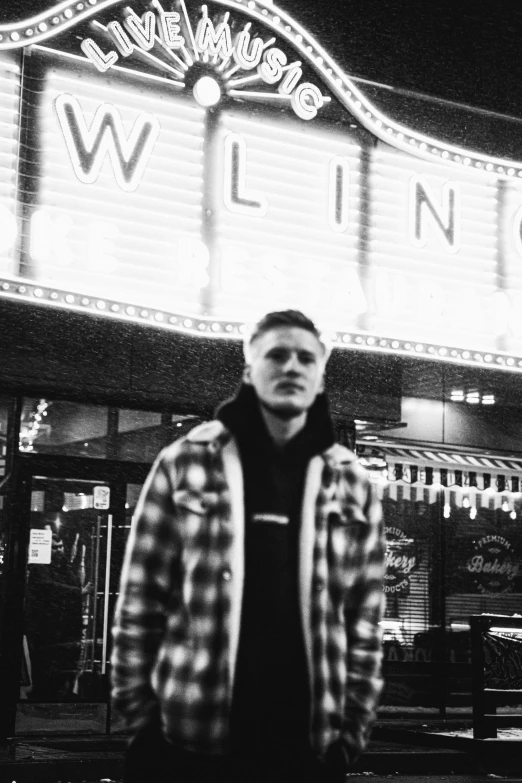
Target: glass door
{"type": "Point", "coordinates": [75, 534]}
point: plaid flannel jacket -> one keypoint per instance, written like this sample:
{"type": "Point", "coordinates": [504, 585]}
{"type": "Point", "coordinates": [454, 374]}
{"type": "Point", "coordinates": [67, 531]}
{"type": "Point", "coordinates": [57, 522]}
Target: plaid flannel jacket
{"type": "Point", "coordinates": [177, 618]}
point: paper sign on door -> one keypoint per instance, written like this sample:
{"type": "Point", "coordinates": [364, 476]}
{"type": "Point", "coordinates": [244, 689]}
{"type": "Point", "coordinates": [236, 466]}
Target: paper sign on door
{"type": "Point", "coordinates": [40, 545]}
{"type": "Point", "coordinates": [102, 497]}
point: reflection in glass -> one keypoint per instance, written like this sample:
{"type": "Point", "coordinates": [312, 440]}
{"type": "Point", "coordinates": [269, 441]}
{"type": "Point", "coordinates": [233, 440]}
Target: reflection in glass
{"type": "Point", "coordinates": [74, 429]}
{"type": "Point", "coordinates": [142, 434]}
{"type": "Point", "coordinates": [66, 604]}
{"type": "Point", "coordinates": [4, 418]}
{"type": "Point", "coordinates": [63, 427]}
{"type": "Point", "coordinates": [484, 556]}
{"type": "Point", "coordinates": [121, 533]}
{"type": "Point", "coordinates": [451, 552]}
{"type": "Point", "coordinates": [54, 623]}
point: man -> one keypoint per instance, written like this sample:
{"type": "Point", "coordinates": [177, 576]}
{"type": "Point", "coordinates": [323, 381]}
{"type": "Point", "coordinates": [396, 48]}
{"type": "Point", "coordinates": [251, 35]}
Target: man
{"type": "Point", "coordinates": [246, 643]}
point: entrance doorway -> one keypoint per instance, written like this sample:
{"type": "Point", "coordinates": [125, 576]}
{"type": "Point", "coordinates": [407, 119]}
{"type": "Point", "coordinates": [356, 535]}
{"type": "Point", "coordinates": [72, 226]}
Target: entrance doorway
{"type": "Point", "coordinates": [75, 517]}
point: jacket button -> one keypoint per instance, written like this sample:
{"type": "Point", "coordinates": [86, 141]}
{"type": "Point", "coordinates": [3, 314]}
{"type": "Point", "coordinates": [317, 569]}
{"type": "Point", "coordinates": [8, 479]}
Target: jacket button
{"type": "Point", "coordinates": [319, 585]}
{"type": "Point", "coordinates": [226, 574]}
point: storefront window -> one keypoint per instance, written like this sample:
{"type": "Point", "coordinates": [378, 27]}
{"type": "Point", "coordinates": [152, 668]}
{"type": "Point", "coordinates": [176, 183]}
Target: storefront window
{"type": "Point", "coordinates": [484, 552]}
{"type": "Point", "coordinates": [66, 601]}
{"type": "Point", "coordinates": [454, 549]}
{"type": "Point", "coordinates": [412, 588]}
{"type": "Point", "coordinates": [74, 429]}
{"type": "Point", "coordinates": [4, 417]}
{"type": "Point", "coordinates": [483, 572]}
{"type": "Point", "coordinates": [63, 427]}
{"type": "Point", "coordinates": [142, 434]}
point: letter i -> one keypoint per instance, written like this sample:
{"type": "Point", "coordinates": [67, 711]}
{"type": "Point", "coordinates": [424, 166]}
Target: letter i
{"type": "Point", "coordinates": [121, 39]}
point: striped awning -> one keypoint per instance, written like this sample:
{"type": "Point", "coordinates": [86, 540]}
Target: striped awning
{"type": "Point", "coordinates": [464, 474]}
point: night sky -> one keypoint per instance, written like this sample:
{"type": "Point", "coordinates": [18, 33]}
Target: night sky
{"type": "Point", "coordinates": [460, 50]}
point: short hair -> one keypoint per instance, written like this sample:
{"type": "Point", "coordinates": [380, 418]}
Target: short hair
{"type": "Point", "coordinates": [278, 319]}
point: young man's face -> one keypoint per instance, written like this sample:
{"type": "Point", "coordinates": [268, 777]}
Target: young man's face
{"type": "Point", "coordinates": [286, 370]}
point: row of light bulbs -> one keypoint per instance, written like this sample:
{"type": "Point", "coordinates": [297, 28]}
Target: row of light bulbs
{"type": "Point", "coordinates": [472, 397]}
{"type": "Point", "coordinates": [235, 329]}
{"type": "Point", "coordinates": [48, 24]}
{"type": "Point", "coordinates": [473, 509]}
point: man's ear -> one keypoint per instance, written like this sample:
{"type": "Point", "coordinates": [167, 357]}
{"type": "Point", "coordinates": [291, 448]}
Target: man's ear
{"type": "Point", "coordinates": [246, 374]}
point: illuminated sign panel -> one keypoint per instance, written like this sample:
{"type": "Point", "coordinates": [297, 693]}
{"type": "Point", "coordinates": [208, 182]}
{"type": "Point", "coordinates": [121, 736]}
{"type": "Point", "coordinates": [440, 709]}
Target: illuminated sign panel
{"type": "Point", "coordinates": [296, 240]}
{"type": "Point", "coordinates": [200, 163]}
{"type": "Point", "coordinates": [118, 211]}
{"type": "Point", "coordinates": [509, 302]}
{"type": "Point", "coordinates": [9, 123]}
{"type": "Point", "coordinates": [433, 253]}
{"type": "Point", "coordinates": [242, 58]}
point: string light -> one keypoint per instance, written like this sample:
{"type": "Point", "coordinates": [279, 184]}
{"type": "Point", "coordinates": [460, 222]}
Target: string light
{"type": "Point", "coordinates": [473, 397]}
{"type": "Point", "coordinates": [30, 432]}
{"type": "Point", "coordinates": [457, 396]}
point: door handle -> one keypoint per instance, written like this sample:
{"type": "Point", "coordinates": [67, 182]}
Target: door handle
{"type": "Point", "coordinates": [106, 595]}
{"type": "Point", "coordinates": [95, 580]}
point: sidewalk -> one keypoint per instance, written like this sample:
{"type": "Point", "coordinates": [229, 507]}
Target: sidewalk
{"type": "Point", "coordinates": [46, 761]}
{"type": "Point", "coordinates": [501, 755]}
{"type": "Point", "coordinates": [411, 747]}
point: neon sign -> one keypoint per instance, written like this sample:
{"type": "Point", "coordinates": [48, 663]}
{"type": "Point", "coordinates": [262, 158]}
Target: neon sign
{"type": "Point", "coordinates": [433, 211]}
{"type": "Point", "coordinates": [405, 245]}
{"type": "Point", "coordinates": [87, 147]}
{"type": "Point", "coordinates": [211, 43]}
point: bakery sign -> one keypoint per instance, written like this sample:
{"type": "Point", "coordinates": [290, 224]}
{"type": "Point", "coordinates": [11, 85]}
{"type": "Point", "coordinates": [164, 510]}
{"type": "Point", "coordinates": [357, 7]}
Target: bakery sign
{"type": "Point", "coordinates": [401, 561]}
{"type": "Point", "coordinates": [493, 564]}
{"type": "Point", "coordinates": [199, 163]}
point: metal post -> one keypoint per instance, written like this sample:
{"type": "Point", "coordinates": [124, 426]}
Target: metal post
{"type": "Point", "coordinates": [481, 724]}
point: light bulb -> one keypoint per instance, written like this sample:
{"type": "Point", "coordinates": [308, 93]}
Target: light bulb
{"type": "Point", "coordinates": [207, 91]}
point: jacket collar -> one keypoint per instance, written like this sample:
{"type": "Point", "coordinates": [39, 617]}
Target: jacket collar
{"type": "Point", "coordinates": [216, 435]}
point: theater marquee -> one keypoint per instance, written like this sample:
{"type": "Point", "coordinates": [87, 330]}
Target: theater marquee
{"type": "Point", "coordinates": [189, 165]}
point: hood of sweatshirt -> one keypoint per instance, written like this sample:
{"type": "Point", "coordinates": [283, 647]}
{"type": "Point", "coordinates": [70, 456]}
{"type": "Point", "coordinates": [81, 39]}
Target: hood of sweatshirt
{"type": "Point", "coordinates": [242, 416]}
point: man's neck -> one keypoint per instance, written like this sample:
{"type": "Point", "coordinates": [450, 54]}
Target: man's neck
{"type": "Point", "coordinates": [282, 430]}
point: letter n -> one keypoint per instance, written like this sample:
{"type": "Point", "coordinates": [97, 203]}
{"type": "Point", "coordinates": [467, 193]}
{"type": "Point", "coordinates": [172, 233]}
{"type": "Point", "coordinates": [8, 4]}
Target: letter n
{"type": "Point", "coordinates": [88, 146]}
{"type": "Point", "coordinates": [445, 218]}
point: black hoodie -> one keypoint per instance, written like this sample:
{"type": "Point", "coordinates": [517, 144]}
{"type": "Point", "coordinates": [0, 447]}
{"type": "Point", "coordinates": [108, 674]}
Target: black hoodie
{"type": "Point", "coordinates": [271, 704]}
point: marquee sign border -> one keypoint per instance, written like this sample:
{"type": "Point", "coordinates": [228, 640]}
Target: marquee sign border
{"type": "Point", "coordinates": [68, 13]}
{"type": "Point", "coordinates": [224, 328]}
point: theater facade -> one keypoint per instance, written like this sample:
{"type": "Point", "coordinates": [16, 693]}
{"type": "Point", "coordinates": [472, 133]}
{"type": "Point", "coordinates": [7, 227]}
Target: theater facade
{"type": "Point", "coordinates": [170, 171]}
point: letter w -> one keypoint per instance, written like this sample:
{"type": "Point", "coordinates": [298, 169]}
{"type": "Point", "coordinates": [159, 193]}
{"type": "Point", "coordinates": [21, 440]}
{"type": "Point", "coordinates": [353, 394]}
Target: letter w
{"type": "Point", "coordinates": [88, 147]}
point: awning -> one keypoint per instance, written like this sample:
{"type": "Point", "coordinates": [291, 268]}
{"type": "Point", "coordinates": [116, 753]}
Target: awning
{"type": "Point", "coordinates": [497, 480]}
